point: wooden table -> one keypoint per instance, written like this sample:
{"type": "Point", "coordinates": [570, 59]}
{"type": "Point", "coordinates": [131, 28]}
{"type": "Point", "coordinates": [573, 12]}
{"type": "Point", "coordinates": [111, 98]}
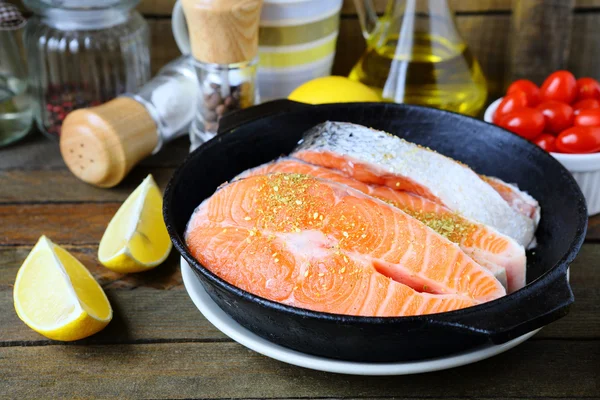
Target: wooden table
{"type": "Point", "coordinates": [159, 346]}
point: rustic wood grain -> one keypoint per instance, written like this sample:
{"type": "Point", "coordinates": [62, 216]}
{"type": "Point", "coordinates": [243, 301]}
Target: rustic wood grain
{"type": "Point", "coordinates": [146, 313]}
{"type": "Point", "coordinates": [142, 315]}
{"type": "Point", "coordinates": [156, 8]}
{"type": "Point", "coordinates": [61, 186]}
{"type": "Point", "coordinates": [540, 38]}
{"type": "Point", "coordinates": [38, 152]}
{"type": "Point", "coordinates": [63, 224]}
{"type": "Point", "coordinates": [165, 276]}
{"type": "Point", "coordinates": [585, 42]}
{"type": "Point", "coordinates": [593, 232]}
{"type": "Point", "coordinates": [162, 42]}
{"type": "Point", "coordinates": [226, 370]}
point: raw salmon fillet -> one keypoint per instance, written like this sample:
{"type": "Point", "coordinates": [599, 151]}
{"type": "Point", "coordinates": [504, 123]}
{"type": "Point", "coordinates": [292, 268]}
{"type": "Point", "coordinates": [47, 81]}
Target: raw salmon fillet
{"type": "Point", "coordinates": [516, 198]}
{"type": "Point", "coordinates": [376, 157]}
{"type": "Point", "coordinates": [500, 254]}
{"type": "Point", "coordinates": [320, 245]}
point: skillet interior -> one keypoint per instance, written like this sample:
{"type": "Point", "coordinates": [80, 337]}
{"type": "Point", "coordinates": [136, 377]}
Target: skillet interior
{"type": "Point", "coordinates": [486, 148]}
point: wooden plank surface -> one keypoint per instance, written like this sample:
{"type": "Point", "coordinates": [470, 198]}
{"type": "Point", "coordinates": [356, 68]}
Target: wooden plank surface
{"type": "Point", "coordinates": [36, 152]}
{"type": "Point", "coordinates": [159, 345]}
{"type": "Point", "coordinates": [157, 8]}
{"type": "Point", "coordinates": [541, 38]}
{"type": "Point", "coordinates": [485, 25]}
{"type": "Point", "coordinates": [147, 315]}
{"type": "Point", "coordinates": [25, 186]}
{"type": "Point", "coordinates": [226, 370]}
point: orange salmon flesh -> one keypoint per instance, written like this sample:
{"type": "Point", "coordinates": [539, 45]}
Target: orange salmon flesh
{"type": "Point", "coordinates": [319, 245]}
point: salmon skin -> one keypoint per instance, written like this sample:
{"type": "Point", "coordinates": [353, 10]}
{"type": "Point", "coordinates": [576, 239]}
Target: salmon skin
{"type": "Point", "coordinates": [516, 198]}
{"type": "Point", "coordinates": [324, 246]}
{"type": "Point", "coordinates": [377, 157]}
{"type": "Point", "coordinates": [500, 254]}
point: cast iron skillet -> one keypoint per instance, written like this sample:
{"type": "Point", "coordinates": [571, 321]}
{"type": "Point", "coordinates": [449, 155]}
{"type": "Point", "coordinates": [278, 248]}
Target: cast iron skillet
{"type": "Point", "coordinates": [261, 134]}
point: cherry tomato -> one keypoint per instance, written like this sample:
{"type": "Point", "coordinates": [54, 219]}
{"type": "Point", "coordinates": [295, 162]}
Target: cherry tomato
{"type": "Point", "coordinates": [546, 141]}
{"type": "Point", "coordinates": [525, 122]}
{"type": "Point", "coordinates": [579, 139]}
{"type": "Point", "coordinates": [587, 88]}
{"type": "Point", "coordinates": [510, 102]}
{"type": "Point", "coordinates": [559, 116]}
{"type": "Point", "coordinates": [559, 86]}
{"type": "Point", "coordinates": [585, 104]}
{"type": "Point", "coordinates": [529, 88]}
{"type": "Point", "coordinates": [590, 117]}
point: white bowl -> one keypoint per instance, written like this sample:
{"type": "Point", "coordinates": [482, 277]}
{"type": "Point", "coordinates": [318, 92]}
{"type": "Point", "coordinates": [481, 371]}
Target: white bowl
{"type": "Point", "coordinates": [584, 167]}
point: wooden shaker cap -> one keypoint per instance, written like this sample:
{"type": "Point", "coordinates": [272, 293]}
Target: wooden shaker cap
{"type": "Point", "coordinates": [223, 31]}
{"type": "Point", "coordinates": [101, 144]}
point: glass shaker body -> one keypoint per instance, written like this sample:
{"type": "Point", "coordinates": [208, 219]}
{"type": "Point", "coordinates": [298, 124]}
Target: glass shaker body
{"type": "Point", "coordinates": [82, 54]}
{"type": "Point", "coordinates": [15, 100]}
{"type": "Point", "coordinates": [170, 98]}
{"type": "Point", "coordinates": [222, 89]}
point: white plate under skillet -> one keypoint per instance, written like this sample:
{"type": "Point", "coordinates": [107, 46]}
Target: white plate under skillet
{"type": "Point", "coordinates": [243, 336]}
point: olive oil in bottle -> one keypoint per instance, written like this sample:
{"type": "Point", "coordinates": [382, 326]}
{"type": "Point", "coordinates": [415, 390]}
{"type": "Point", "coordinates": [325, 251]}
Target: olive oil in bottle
{"type": "Point", "coordinates": [432, 67]}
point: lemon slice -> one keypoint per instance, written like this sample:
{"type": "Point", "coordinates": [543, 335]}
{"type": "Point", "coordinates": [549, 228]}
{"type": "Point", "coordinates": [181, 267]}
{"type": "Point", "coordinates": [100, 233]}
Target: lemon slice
{"type": "Point", "coordinates": [136, 238]}
{"type": "Point", "coordinates": [55, 295]}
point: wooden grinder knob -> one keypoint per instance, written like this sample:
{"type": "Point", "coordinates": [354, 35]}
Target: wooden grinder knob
{"type": "Point", "coordinates": [100, 145]}
{"type": "Point", "coordinates": [223, 31]}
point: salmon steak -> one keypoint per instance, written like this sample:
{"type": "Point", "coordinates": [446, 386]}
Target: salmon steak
{"type": "Point", "coordinates": [377, 157]}
{"type": "Point", "coordinates": [517, 199]}
{"type": "Point", "coordinates": [320, 245]}
{"type": "Point", "coordinates": [500, 254]}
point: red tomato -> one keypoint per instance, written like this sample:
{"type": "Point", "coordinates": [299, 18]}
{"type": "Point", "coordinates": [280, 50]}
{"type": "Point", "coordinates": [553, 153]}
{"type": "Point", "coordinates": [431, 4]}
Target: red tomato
{"type": "Point", "coordinates": [585, 104]}
{"type": "Point", "coordinates": [587, 88]}
{"type": "Point", "coordinates": [525, 122]}
{"type": "Point", "coordinates": [579, 139]}
{"type": "Point", "coordinates": [559, 116]}
{"type": "Point", "coordinates": [529, 88]}
{"type": "Point", "coordinates": [546, 141]}
{"type": "Point", "coordinates": [559, 86]}
{"type": "Point", "coordinates": [510, 102]}
{"type": "Point", "coordinates": [590, 117]}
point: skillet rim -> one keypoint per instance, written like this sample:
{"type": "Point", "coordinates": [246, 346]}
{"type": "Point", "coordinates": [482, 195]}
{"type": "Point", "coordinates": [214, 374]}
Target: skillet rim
{"type": "Point", "coordinates": [560, 267]}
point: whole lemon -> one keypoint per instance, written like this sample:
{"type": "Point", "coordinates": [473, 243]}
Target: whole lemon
{"type": "Point", "coordinates": [333, 89]}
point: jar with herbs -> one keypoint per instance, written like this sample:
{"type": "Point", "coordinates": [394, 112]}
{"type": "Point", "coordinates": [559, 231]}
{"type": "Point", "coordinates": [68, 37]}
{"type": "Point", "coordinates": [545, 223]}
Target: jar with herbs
{"type": "Point", "coordinates": [222, 36]}
{"type": "Point", "coordinates": [83, 53]}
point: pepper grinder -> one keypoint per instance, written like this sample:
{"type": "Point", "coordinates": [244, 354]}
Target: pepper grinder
{"type": "Point", "coordinates": [224, 44]}
{"type": "Point", "coordinates": [101, 144]}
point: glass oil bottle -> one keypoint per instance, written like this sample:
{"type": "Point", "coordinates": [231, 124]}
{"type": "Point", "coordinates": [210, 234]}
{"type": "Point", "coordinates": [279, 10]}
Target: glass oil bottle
{"type": "Point", "coordinates": [415, 55]}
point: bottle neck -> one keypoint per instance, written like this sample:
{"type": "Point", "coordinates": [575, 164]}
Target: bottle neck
{"type": "Point", "coordinates": [72, 20]}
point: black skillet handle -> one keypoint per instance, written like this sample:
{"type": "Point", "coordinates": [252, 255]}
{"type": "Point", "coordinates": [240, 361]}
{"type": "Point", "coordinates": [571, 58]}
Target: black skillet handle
{"type": "Point", "coordinates": [238, 118]}
{"type": "Point", "coordinates": [538, 305]}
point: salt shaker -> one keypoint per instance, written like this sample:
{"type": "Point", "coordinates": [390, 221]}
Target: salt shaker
{"type": "Point", "coordinates": [101, 144]}
{"type": "Point", "coordinates": [224, 44]}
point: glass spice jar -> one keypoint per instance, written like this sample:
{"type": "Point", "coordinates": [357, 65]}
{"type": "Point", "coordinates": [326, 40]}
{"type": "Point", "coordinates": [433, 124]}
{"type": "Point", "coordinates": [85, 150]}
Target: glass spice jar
{"type": "Point", "coordinates": [15, 101]}
{"type": "Point", "coordinates": [82, 53]}
{"type": "Point", "coordinates": [222, 36]}
{"type": "Point", "coordinates": [222, 89]}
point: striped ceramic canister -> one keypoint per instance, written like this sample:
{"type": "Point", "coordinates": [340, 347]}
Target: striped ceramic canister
{"type": "Point", "coordinates": [296, 43]}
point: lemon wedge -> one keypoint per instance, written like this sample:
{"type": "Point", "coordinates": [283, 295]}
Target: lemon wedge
{"type": "Point", "coordinates": [136, 238]}
{"type": "Point", "coordinates": [55, 295]}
